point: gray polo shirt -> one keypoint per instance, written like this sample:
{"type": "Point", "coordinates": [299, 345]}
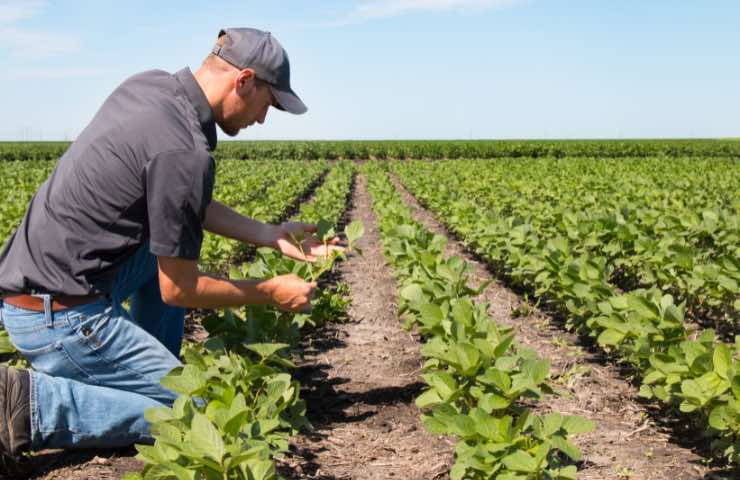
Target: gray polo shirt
{"type": "Point", "coordinates": [141, 170]}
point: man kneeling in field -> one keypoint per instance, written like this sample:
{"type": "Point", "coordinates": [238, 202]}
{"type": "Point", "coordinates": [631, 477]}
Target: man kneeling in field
{"type": "Point", "coordinates": [122, 217]}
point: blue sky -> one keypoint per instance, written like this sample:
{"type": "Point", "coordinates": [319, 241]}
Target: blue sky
{"type": "Point", "coordinates": [381, 69]}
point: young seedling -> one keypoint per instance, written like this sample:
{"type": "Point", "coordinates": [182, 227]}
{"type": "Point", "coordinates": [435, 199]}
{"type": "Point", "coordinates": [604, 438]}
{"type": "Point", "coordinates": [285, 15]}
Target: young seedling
{"type": "Point", "coordinates": [326, 232]}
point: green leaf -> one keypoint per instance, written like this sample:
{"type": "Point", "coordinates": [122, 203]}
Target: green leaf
{"type": "Point", "coordinates": [354, 231]}
{"type": "Point", "coordinates": [325, 230]}
{"type": "Point", "coordinates": [619, 303]}
{"type": "Point", "coordinates": [575, 425]}
{"type": "Point", "coordinates": [718, 418]}
{"type": "Point", "coordinates": [463, 426]}
{"type": "Point", "coordinates": [263, 470]}
{"type": "Point", "coordinates": [412, 293]}
{"type": "Point", "coordinates": [6, 346]}
{"type": "Point", "coordinates": [537, 370]}
{"type": "Point", "coordinates": [520, 461]}
{"type": "Point", "coordinates": [503, 345]}
{"type": "Point", "coordinates": [428, 398]}
{"type": "Point", "coordinates": [652, 377]}
{"type": "Point", "coordinates": [642, 305]}
{"type": "Point", "coordinates": [566, 447]}
{"type": "Point", "coordinates": [194, 358]}
{"type": "Point", "coordinates": [727, 283]}
{"type": "Point", "coordinates": [568, 473]}
{"type": "Point", "coordinates": [552, 423]}
{"type": "Point", "coordinates": [468, 356]}
{"type": "Point", "coordinates": [462, 311]}
{"type": "Point", "coordinates": [185, 380]}
{"type": "Point", "coordinates": [431, 314]}
{"type": "Point", "coordinates": [491, 401]}
{"type": "Point", "coordinates": [443, 382]}
{"type": "Point", "coordinates": [722, 359]}
{"type": "Point", "coordinates": [610, 337]}
{"type": "Point", "coordinates": [206, 438]}
{"type": "Point", "coordinates": [645, 391]}
{"type": "Point", "coordinates": [265, 350]}
{"type": "Point", "coordinates": [158, 414]}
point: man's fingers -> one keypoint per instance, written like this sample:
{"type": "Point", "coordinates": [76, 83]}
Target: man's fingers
{"type": "Point", "coordinates": [309, 227]}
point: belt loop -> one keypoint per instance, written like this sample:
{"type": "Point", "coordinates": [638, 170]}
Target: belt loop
{"type": "Point", "coordinates": [48, 313]}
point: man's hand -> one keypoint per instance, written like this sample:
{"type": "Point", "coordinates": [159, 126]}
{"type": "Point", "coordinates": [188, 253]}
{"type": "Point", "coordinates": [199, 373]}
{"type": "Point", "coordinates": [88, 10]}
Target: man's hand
{"type": "Point", "coordinates": [311, 247]}
{"type": "Point", "coordinates": [181, 284]}
{"type": "Point", "coordinates": [289, 293]}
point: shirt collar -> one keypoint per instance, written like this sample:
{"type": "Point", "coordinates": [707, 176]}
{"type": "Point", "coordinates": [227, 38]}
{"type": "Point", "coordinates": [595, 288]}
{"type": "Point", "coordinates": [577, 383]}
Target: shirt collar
{"type": "Point", "coordinates": [200, 102]}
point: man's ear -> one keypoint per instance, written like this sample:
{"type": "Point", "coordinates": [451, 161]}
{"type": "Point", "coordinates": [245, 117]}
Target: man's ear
{"type": "Point", "coordinates": [245, 79]}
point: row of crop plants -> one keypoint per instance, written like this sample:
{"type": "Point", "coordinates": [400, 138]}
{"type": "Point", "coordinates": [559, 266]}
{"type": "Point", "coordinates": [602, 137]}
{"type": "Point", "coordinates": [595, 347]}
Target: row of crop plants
{"type": "Point", "coordinates": [435, 149]}
{"type": "Point", "coordinates": [672, 224]}
{"type": "Point", "coordinates": [477, 376]}
{"type": "Point", "coordinates": [681, 365]}
{"type": "Point", "coordinates": [19, 181]}
{"type": "Point", "coordinates": [238, 404]}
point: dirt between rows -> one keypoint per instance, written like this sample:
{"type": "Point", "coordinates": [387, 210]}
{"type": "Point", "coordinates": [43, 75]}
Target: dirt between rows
{"type": "Point", "coordinates": [628, 442]}
{"type": "Point", "coordinates": [360, 381]}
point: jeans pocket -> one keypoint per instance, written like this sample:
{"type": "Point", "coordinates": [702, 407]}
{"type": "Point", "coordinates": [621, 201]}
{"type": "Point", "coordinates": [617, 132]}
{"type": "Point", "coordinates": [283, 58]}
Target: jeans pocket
{"type": "Point", "coordinates": [32, 354]}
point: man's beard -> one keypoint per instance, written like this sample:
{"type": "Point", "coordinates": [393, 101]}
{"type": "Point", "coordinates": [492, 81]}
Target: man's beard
{"type": "Point", "coordinates": [229, 129]}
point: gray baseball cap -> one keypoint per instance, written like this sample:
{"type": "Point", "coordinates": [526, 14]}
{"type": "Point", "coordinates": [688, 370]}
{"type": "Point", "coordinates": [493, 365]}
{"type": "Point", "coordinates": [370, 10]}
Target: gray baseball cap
{"type": "Point", "coordinates": [260, 51]}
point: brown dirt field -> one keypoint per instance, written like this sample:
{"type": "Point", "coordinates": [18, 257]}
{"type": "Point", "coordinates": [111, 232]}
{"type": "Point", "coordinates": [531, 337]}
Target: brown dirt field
{"type": "Point", "coordinates": [360, 381]}
{"type": "Point", "coordinates": [628, 442]}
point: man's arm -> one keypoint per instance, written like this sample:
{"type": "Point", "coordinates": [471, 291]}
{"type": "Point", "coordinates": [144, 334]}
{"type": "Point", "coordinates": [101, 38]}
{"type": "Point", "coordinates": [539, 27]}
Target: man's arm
{"type": "Point", "coordinates": [226, 222]}
{"type": "Point", "coordinates": [182, 284]}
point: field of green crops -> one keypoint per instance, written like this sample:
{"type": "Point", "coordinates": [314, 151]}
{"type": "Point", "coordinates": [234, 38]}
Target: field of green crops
{"type": "Point", "coordinates": [634, 245]}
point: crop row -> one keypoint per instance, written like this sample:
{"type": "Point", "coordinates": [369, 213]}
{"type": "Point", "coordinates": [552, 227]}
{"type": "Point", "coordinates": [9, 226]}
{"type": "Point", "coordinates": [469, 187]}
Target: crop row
{"type": "Point", "coordinates": [436, 149]}
{"type": "Point", "coordinates": [477, 375]}
{"type": "Point", "coordinates": [684, 367]}
{"type": "Point", "coordinates": [672, 224]}
{"type": "Point", "coordinates": [238, 403]}
{"type": "Point", "coordinates": [19, 181]}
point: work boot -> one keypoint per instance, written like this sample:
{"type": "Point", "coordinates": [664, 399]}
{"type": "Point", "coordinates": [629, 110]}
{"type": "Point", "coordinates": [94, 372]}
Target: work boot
{"type": "Point", "coordinates": [15, 422]}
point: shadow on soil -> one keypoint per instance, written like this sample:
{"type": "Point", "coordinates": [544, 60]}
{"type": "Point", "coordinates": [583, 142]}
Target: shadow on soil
{"type": "Point", "coordinates": [47, 461]}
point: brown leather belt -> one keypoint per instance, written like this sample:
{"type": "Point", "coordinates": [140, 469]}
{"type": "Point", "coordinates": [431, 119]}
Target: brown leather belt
{"type": "Point", "coordinates": [58, 302]}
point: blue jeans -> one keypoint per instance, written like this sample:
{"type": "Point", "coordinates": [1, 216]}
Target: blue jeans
{"type": "Point", "coordinates": [96, 368]}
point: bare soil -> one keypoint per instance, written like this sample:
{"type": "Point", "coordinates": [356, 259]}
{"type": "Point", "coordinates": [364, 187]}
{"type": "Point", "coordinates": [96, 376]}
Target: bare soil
{"type": "Point", "coordinates": [629, 440]}
{"type": "Point", "coordinates": [360, 380]}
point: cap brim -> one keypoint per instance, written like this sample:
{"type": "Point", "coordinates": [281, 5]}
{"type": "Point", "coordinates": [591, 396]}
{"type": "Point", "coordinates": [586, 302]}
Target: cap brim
{"type": "Point", "coordinates": [288, 101]}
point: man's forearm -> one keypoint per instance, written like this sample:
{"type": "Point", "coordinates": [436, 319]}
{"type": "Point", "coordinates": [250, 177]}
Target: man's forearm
{"type": "Point", "coordinates": [215, 292]}
{"type": "Point", "coordinates": [223, 220]}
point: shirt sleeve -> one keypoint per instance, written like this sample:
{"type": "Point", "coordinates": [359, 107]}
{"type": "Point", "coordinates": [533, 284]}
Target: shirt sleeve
{"type": "Point", "coordinates": [179, 187]}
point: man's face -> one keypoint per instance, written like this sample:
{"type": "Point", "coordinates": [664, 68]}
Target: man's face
{"type": "Point", "coordinates": [246, 104]}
